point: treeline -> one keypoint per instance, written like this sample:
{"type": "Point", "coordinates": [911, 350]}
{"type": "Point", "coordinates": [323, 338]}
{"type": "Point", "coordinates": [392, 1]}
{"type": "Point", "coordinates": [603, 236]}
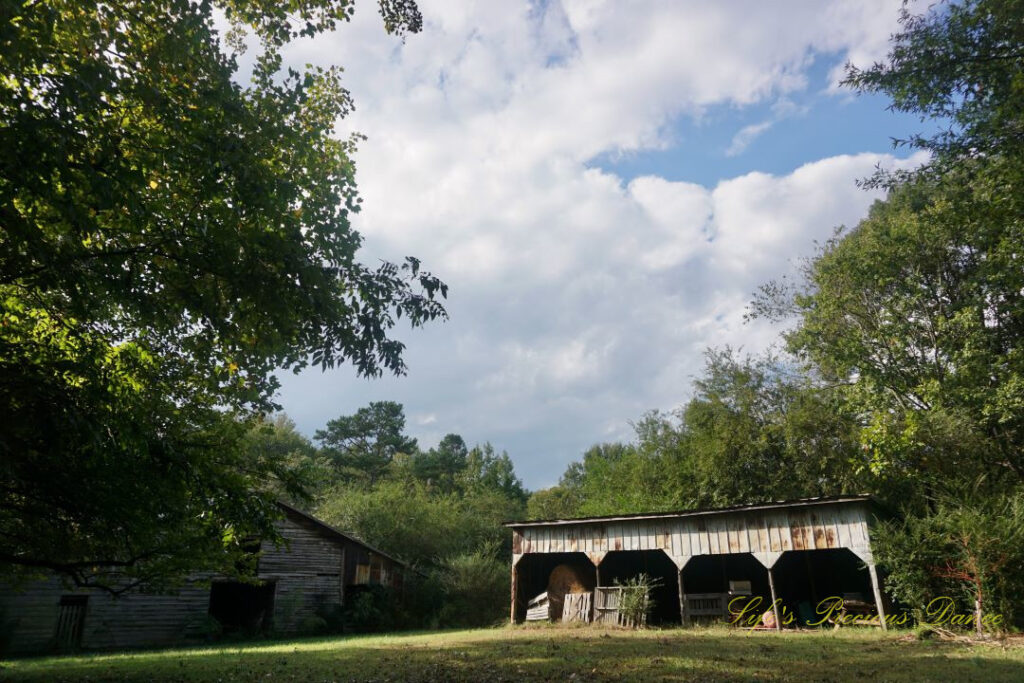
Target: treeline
{"type": "Point", "coordinates": [441, 509]}
{"type": "Point", "coordinates": [756, 429]}
{"type": "Point", "coordinates": [902, 369]}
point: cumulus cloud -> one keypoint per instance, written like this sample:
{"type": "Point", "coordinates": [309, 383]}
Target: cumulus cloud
{"type": "Point", "coordinates": [579, 299]}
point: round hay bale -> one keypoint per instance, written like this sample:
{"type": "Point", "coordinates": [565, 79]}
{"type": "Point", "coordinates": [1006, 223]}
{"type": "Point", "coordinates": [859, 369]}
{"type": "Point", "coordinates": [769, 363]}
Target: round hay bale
{"type": "Point", "coordinates": [567, 578]}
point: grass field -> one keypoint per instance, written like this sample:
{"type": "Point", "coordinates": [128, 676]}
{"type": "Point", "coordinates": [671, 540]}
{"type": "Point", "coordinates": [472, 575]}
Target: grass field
{"type": "Point", "coordinates": [552, 654]}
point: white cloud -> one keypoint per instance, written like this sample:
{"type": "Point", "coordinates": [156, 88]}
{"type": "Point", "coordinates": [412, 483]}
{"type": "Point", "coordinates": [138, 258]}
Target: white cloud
{"type": "Point", "coordinates": [745, 136]}
{"type": "Point", "coordinates": [578, 300]}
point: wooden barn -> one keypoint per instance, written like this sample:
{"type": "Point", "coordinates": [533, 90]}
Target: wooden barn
{"type": "Point", "coordinates": [794, 555]}
{"type": "Point", "coordinates": [314, 570]}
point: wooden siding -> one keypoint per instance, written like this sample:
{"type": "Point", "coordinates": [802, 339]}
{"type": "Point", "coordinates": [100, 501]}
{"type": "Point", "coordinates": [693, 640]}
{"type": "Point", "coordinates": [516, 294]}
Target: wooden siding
{"type": "Point", "coordinates": [134, 619]}
{"type": "Point", "coordinates": [307, 570]}
{"type": "Point", "coordinates": [311, 568]}
{"type": "Point", "coordinates": [770, 530]}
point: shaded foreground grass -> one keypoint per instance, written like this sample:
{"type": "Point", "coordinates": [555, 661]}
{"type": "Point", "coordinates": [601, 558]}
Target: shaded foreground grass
{"type": "Point", "coordinates": [552, 653]}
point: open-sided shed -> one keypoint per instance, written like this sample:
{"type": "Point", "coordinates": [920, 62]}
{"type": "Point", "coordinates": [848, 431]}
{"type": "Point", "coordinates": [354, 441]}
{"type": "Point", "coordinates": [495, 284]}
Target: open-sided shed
{"type": "Point", "coordinates": [795, 553]}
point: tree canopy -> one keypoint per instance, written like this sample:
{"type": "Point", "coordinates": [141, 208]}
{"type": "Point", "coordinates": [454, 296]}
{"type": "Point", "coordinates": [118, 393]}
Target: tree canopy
{"type": "Point", "coordinates": [171, 237]}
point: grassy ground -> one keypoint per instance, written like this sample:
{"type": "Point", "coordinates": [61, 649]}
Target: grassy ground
{"type": "Point", "coordinates": [554, 654]}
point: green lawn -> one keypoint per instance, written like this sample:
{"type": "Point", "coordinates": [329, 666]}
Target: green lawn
{"type": "Point", "coordinates": [552, 653]}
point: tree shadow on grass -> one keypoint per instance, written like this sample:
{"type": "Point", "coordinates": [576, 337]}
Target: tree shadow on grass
{"type": "Point", "coordinates": [557, 655]}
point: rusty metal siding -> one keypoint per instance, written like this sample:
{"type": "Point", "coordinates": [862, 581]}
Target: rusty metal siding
{"type": "Point", "coordinates": [772, 529]}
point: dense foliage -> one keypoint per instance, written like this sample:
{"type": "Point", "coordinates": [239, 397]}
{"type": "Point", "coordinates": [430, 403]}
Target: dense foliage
{"type": "Point", "coordinates": [441, 510]}
{"type": "Point", "coordinates": [756, 430]}
{"type": "Point", "coordinates": [169, 238]}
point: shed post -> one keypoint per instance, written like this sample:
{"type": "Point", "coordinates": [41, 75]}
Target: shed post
{"type": "Point", "coordinates": [768, 559]}
{"type": "Point", "coordinates": [515, 588]}
{"type": "Point", "coordinates": [876, 587]}
{"type": "Point", "coordinates": [775, 600]}
{"type": "Point", "coordinates": [683, 616]}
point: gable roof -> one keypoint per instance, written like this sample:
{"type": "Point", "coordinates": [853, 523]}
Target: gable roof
{"type": "Point", "coordinates": [336, 533]}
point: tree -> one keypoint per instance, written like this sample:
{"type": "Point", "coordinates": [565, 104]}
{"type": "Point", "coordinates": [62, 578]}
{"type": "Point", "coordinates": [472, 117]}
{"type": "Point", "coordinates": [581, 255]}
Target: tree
{"type": "Point", "coordinates": [276, 438]}
{"type": "Point", "coordinates": [959, 64]}
{"type": "Point", "coordinates": [555, 502]}
{"type": "Point", "coordinates": [918, 311]}
{"type": "Point", "coordinates": [170, 238]}
{"type": "Point", "coordinates": [756, 429]}
{"type": "Point", "coordinates": [364, 444]}
{"type": "Point", "coordinates": [917, 314]}
{"type": "Point", "coordinates": [442, 466]}
{"type": "Point", "coordinates": [486, 471]}
{"type": "Point", "coordinates": [759, 428]}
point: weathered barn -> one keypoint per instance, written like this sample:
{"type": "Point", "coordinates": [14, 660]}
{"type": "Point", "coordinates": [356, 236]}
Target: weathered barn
{"type": "Point", "coordinates": [794, 554]}
{"type": "Point", "coordinates": [313, 570]}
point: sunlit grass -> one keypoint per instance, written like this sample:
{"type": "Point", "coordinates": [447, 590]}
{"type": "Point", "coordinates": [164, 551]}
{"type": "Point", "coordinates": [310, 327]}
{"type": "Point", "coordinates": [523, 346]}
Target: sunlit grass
{"type": "Point", "coordinates": [550, 653]}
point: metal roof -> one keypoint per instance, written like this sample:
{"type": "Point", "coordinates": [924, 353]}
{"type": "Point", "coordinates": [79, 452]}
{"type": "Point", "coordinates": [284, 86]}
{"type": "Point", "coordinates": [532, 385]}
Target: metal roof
{"type": "Point", "coordinates": [800, 502]}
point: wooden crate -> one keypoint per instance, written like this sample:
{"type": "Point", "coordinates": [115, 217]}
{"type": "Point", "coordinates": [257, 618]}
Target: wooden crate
{"type": "Point", "coordinates": [539, 608]}
{"type": "Point", "coordinates": [706, 604]}
{"type": "Point", "coordinates": [577, 607]}
{"type": "Point", "coordinates": [606, 608]}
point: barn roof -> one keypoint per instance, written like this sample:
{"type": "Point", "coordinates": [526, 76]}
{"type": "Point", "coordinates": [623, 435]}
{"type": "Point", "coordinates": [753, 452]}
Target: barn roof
{"type": "Point", "coordinates": [337, 533]}
{"type": "Point", "coordinates": [800, 502]}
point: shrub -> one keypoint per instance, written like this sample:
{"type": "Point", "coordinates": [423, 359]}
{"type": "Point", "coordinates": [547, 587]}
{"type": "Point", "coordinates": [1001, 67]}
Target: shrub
{"type": "Point", "coordinates": [370, 608]}
{"type": "Point", "coordinates": [475, 587]}
{"type": "Point", "coordinates": [636, 602]}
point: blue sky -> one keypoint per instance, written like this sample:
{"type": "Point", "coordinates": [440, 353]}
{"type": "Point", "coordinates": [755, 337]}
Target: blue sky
{"type": "Point", "coordinates": [603, 186]}
{"type": "Point", "coordinates": [819, 123]}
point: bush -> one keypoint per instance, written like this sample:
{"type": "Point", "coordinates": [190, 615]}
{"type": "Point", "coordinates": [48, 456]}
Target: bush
{"type": "Point", "coordinates": [204, 627]}
{"type": "Point", "coordinates": [475, 587]}
{"type": "Point", "coordinates": [333, 616]}
{"type": "Point", "coordinates": [313, 625]}
{"type": "Point", "coordinates": [636, 602]}
{"type": "Point", "coordinates": [969, 550]}
{"type": "Point", "coordinates": [370, 608]}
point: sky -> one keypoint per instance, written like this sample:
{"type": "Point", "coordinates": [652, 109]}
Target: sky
{"type": "Point", "coordinates": [603, 186]}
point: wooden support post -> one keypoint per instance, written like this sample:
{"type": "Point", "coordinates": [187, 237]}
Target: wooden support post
{"type": "Point", "coordinates": [515, 575]}
{"type": "Point", "coordinates": [876, 587]}
{"type": "Point", "coordinates": [775, 601]}
{"type": "Point", "coordinates": [597, 576]}
{"type": "Point", "coordinates": [683, 616]}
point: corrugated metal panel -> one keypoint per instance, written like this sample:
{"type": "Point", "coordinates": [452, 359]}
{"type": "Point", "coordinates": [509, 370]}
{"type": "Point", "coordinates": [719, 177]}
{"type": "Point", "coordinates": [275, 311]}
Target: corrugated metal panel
{"type": "Point", "coordinates": [769, 529]}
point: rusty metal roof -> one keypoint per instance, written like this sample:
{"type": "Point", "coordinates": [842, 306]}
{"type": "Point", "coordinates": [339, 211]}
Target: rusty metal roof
{"type": "Point", "coordinates": [800, 502]}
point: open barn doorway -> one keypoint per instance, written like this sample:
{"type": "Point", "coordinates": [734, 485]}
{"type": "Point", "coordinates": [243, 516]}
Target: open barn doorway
{"type": "Point", "coordinates": [712, 583]}
{"type": "Point", "coordinates": [621, 565]}
{"type": "Point", "coordinates": [806, 578]}
{"type": "Point", "coordinates": [538, 573]}
{"type": "Point", "coordinates": [242, 608]}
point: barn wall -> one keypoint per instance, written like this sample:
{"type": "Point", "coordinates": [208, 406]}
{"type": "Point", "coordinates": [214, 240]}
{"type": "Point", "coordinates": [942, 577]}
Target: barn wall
{"type": "Point", "coordinates": [132, 620]}
{"type": "Point", "coordinates": [307, 570]}
{"type": "Point", "coordinates": [138, 619]}
{"type": "Point", "coordinates": [28, 615]}
{"type": "Point", "coordinates": [815, 527]}
{"type": "Point", "coordinates": [310, 569]}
